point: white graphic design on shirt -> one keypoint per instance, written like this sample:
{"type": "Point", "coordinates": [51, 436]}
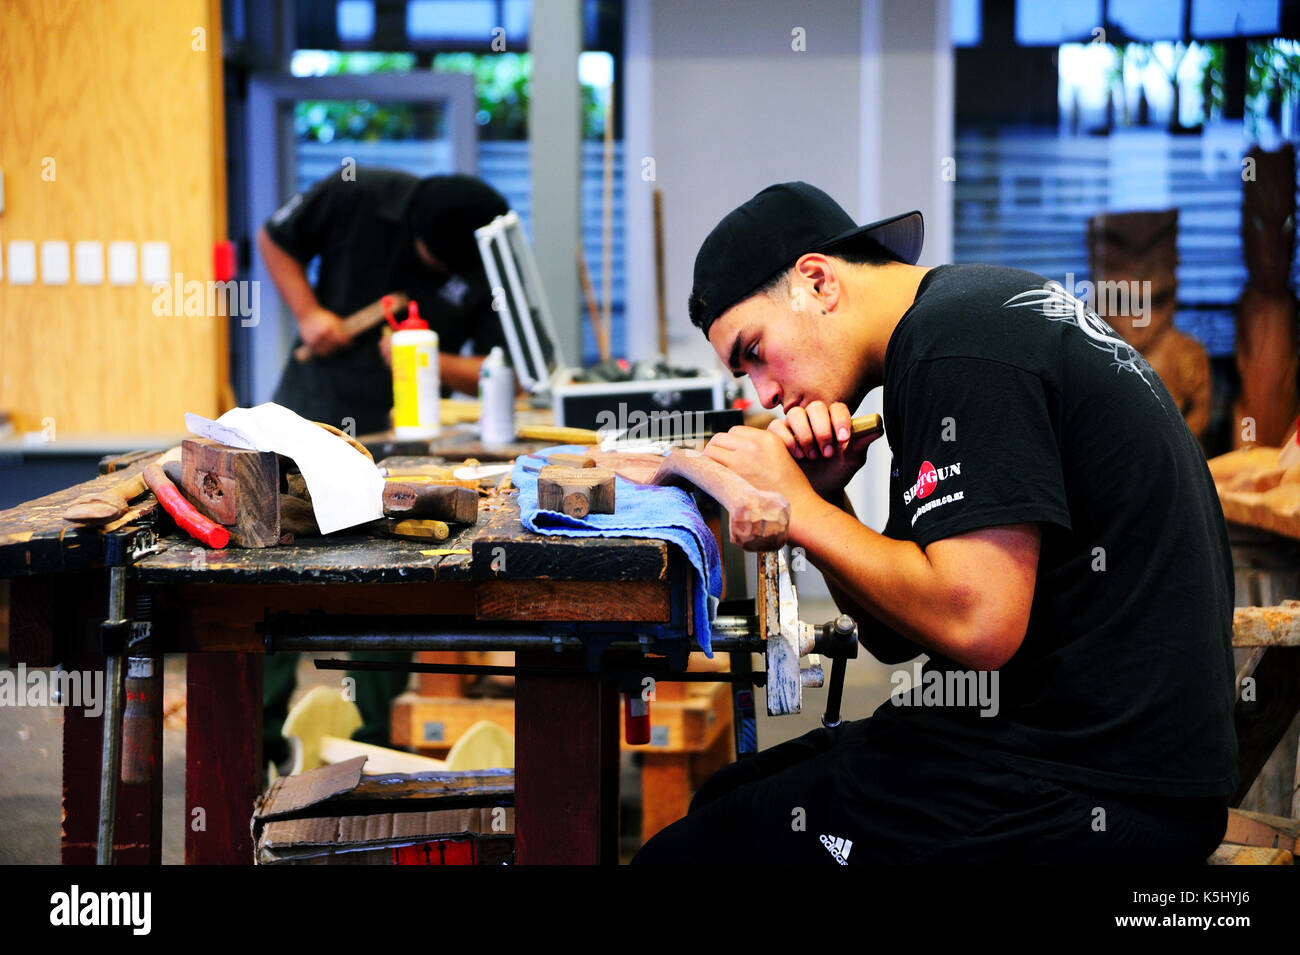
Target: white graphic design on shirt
{"type": "Point", "coordinates": [1055, 304]}
{"type": "Point", "coordinates": [286, 210]}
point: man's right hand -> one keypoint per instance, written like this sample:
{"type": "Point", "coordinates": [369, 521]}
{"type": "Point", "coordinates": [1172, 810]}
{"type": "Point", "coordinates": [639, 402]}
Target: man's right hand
{"type": "Point", "coordinates": [812, 436]}
{"type": "Point", "coordinates": [322, 331]}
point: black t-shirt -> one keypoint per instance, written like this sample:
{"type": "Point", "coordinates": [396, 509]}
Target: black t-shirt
{"type": "Point", "coordinates": [359, 229]}
{"type": "Point", "coordinates": [1007, 401]}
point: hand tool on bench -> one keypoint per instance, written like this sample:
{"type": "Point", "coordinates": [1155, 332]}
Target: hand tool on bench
{"type": "Point", "coordinates": [415, 529]}
{"type": "Point", "coordinates": [443, 502]}
{"type": "Point", "coordinates": [859, 425]}
{"type": "Point", "coordinates": [107, 504]}
{"type": "Point", "coordinates": [362, 320]}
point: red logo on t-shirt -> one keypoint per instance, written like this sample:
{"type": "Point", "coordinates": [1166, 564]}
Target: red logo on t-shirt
{"type": "Point", "coordinates": [926, 480]}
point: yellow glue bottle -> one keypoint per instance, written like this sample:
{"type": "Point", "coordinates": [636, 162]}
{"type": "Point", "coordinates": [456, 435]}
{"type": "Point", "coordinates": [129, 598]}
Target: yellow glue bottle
{"type": "Point", "coordinates": [415, 376]}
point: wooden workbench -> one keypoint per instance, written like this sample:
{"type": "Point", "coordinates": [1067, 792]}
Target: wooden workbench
{"type": "Point", "coordinates": [207, 604]}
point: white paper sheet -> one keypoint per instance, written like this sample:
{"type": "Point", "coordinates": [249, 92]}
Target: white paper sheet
{"type": "Point", "coordinates": [346, 487]}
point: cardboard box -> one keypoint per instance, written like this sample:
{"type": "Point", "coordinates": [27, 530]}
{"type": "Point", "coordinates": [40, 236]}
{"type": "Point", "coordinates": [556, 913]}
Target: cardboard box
{"type": "Point", "coordinates": [334, 815]}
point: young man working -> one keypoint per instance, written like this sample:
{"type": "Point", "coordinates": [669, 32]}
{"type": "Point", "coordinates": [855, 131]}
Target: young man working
{"type": "Point", "coordinates": [1054, 544]}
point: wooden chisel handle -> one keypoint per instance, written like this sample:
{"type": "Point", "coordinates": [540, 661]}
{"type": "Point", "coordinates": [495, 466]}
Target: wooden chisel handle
{"type": "Point", "coordinates": [107, 504]}
{"type": "Point", "coordinates": [760, 520]}
{"type": "Point", "coordinates": [362, 320]}
{"type": "Point", "coordinates": [536, 432]}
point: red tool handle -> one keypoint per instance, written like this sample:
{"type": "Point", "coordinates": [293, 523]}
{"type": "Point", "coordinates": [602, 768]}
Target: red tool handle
{"type": "Point", "coordinates": [636, 719]}
{"type": "Point", "coordinates": [182, 511]}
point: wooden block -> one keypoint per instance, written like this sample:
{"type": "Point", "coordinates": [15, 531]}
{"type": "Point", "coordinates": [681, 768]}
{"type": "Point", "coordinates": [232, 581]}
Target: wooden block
{"type": "Point", "coordinates": [238, 489]}
{"type": "Point", "coordinates": [576, 491]}
{"type": "Point", "coordinates": [441, 502]}
{"type": "Point", "coordinates": [1267, 626]}
{"type": "Point", "coordinates": [1228, 854]}
{"type": "Point", "coordinates": [1228, 466]}
{"type": "Point", "coordinates": [441, 684]}
{"type": "Point", "coordinates": [1261, 831]}
{"type": "Point", "coordinates": [644, 601]}
{"type": "Point", "coordinates": [665, 791]}
{"type": "Point", "coordinates": [431, 724]}
{"type": "Point", "coordinates": [566, 460]}
{"type": "Point", "coordinates": [297, 517]}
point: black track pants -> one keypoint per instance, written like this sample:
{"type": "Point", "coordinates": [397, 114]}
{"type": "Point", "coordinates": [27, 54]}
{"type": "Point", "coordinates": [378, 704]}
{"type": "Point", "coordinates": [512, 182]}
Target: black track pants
{"type": "Point", "coordinates": [875, 791]}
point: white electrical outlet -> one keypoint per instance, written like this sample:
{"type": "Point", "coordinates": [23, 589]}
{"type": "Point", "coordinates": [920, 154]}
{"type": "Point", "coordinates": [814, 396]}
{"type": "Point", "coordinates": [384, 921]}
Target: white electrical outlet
{"type": "Point", "coordinates": [89, 260]}
{"type": "Point", "coordinates": [121, 263]}
{"type": "Point", "coordinates": [155, 262]}
{"type": "Point", "coordinates": [56, 269]}
{"type": "Point", "coordinates": [22, 263]}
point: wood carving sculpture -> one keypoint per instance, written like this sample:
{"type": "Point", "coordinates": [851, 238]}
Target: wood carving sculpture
{"type": "Point", "coordinates": [1266, 409]}
{"type": "Point", "coordinates": [1134, 248]}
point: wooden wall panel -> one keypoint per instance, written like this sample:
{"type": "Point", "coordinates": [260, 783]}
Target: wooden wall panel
{"type": "Point", "coordinates": [117, 95]}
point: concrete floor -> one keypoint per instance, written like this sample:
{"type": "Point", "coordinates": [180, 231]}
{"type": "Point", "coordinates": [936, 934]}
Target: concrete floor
{"type": "Point", "coordinates": [31, 750]}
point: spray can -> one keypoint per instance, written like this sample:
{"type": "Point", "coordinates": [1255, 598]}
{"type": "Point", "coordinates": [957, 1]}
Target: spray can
{"type": "Point", "coordinates": [496, 396]}
{"type": "Point", "coordinates": [415, 376]}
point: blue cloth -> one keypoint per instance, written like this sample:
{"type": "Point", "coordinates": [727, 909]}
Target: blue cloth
{"type": "Point", "coordinates": [664, 513]}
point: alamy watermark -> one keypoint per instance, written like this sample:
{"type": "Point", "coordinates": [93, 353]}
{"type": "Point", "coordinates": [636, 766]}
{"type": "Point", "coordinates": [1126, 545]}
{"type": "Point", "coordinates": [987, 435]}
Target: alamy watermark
{"type": "Point", "coordinates": [685, 429]}
{"type": "Point", "coordinates": [946, 688]}
{"type": "Point", "coordinates": [56, 687]}
{"type": "Point", "coordinates": [208, 299]}
{"type": "Point", "coordinates": [1120, 298]}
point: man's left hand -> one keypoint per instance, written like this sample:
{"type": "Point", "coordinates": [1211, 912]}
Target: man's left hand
{"type": "Point", "coordinates": [761, 458]}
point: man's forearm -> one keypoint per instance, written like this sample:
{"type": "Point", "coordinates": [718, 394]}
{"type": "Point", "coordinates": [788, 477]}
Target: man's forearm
{"type": "Point", "coordinates": [289, 276]}
{"type": "Point", "coordinates": [879, 640]}
{"type": "Point", "coordinates": [890, 580]}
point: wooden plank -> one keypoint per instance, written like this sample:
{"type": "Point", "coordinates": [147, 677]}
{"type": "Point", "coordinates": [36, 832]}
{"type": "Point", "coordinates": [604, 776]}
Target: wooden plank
{"type": "Point", "coordinates": [503, 549]}
{"type": "Point", "coordinates": [566, 766]}
{"type": "Point", "coordinates": [35, 539]}
{"type": "Point", "coordinates": [1277, 626]}
{"type": "Point", "coordinates": [432, 724]}
{"type": "Point", "coordinates": [440, 684]}
{"type": "Point", "coordinates": [1249, 855]}
{"type": "Point", "coordinates": [1262, 721]}
{"type": "Point", "coordinates": [1267, 832]}
{"type": "Point", "coordinates": [336, 559]}
{"type": "Point", "coordinates": [641, 601]}
{"type": "Point", "coordinates": [223, 617]}
{"type": "Point", "coordinates": [223, 756]}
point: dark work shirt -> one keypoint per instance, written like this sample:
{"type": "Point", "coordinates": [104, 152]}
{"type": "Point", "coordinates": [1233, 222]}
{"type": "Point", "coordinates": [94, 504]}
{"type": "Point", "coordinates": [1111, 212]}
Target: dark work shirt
{"type": "Point", "coordinates": [1006, 402]}
{"type": "Point", "coordinates": [358, 228]}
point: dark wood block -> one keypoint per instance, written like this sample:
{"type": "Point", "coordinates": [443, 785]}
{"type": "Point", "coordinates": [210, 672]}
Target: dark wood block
{"type": "Point", "coordinates": [236, 488]}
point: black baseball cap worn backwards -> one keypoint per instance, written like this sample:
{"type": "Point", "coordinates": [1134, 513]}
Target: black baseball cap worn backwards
{"type": "Point", "coordinates": [769, 233]}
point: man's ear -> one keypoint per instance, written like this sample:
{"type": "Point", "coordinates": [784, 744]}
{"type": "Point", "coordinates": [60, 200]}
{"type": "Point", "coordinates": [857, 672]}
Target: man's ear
{"type": "Point", "coordinates": [816, 273]}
